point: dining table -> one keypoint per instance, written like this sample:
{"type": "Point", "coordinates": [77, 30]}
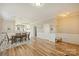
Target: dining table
{"type": "Point", "coordinates": [19, 37]}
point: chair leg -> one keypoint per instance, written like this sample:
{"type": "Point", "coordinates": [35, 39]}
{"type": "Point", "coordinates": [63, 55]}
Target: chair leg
{"type": "Point", "coordinates": [11, 42]}
{"type": "Point", "coordinates": [25, 38]}
{"type": "Point", "coordinates": [28, 38]}
{"type": "Point", "coordinates": [20, 39]}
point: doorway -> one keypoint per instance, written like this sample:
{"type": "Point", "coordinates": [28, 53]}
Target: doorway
{"type": "Point", "coordinates": [35, 31]}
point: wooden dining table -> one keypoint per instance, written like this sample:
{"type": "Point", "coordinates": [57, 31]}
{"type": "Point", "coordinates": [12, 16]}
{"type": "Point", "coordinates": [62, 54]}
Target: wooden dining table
{"type": "Point", "coordinates": [20, 36]}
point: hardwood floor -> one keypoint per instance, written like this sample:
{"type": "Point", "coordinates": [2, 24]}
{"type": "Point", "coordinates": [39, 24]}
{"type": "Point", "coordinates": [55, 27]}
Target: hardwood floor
{"type": "Point", "coordinates": [42, 47]}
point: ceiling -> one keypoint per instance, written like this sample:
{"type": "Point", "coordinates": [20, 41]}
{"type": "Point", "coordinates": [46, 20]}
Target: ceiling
{"type": "Point", "coordinates": [30, 13]}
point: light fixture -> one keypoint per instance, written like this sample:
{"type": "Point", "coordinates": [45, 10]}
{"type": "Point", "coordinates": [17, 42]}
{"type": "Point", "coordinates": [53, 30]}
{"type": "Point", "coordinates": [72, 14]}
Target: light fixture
{"type": "Point", "coordinates": [37, 4]}
{"type": "Point", "coordinates": [65, 14]}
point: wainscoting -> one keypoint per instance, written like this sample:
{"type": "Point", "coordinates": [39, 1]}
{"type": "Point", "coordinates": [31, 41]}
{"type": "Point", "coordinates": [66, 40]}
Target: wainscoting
{"type": "Point", "coordinates": [70, 38]}
{"type": "Point", "coordinates": [48, 36]}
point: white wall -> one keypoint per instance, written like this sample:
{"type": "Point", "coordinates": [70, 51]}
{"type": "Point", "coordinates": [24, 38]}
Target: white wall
{"type": "Point", "coordinates": [43, 32]}
{"type": "Point", "coordinates": [31, 31]}
{"type": "Point", "coordinates": [1, 23]}
{"type": "Point", "coordinates": [8, 24]}
{"type": "Point", "coordinates": [68, 29]}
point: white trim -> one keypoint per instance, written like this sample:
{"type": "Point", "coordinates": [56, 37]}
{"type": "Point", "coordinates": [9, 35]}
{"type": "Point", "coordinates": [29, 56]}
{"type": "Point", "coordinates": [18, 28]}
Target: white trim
{"type": "Point", "coordinates": [70, 38]}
